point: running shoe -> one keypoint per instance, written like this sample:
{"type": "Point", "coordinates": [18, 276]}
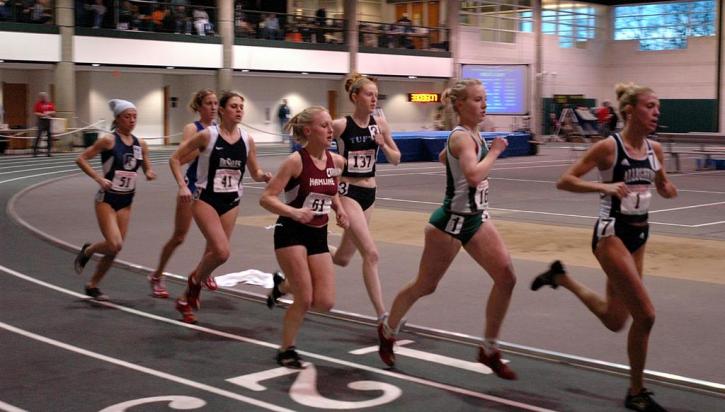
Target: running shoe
{"type": "Point", "coordinates": [290, 358]}
{"type": "Point", "coordinates": [187, 314]}
{"type": "Point", "coordinates": [493, 361]}
{"type": "Point", "coordinates": [385, 347]}
{"type": "Point", "coordinates": [275, 293]}
{"type": "Point", "coordinates": [642, 402]}
{"type": "Point", "coordinates": [549, 277]}
{"type": "Point", "coordinates": [96, 294]}
{"type": "Point", "coordinates": [81, 259]}
{"type": "Point", "coordinates": [158, 287]}
{"type": "Point", "coordinates": [193, 290]}
{"type": "Point", "coordinates": [210, 283]}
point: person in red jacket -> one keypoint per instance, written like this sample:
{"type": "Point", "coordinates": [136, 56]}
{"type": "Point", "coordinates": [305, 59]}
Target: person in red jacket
{"type": "Point", "coordinates": [44, 109]}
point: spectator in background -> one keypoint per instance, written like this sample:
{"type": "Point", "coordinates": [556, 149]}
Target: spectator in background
{"type": "Point", "coordinates": [271, 29]}
{"type": "Point", "coordinates": [321, 23]}
{"type": "Point", "coordinates": [201, 22]}
{"type": "Point", "coordinates": [97, 10]}
{"type": "Point", "coordinates": [44, 110]}
{"type": "Point", "coordinates": [181, 21]}
{"type": "Point", "coordinates": [607, 119]}
{"type": "Point", "coordinates": [40, 12]}
{"type": "Point", "coordinates": [283, 114]}
{"type": "Point", "coordinates": [6, 9]}
{"type": "Point", "coordinates": [157, 17]}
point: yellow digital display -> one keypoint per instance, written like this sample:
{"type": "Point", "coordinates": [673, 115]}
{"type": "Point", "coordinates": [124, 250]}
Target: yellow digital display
{"type": "Point", "coordinates": [424, 97]}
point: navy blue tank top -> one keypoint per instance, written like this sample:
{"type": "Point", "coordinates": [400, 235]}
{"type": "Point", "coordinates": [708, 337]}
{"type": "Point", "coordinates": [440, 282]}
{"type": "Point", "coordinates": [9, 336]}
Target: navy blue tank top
{"type": "Point", "coordinates": [221, 165]}
{"type": "Point", "coordinates": [120, 164]}
{"type": "Point", "coordinates": [357, 145]}
{"type": "Point", "coordinates": [638, 174]}
{"type": "Point", "coordinates": [191, 170]}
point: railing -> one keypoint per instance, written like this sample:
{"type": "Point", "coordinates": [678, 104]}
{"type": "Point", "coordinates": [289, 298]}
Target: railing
{"type": "Point", "coordinates": [288, 27]}
{"type": "Point", "coordinates": [402, 36]}
{"type": "Point", "coordinates": [151, 16]}
{"type": "Point", "coordinates": [24, 11]}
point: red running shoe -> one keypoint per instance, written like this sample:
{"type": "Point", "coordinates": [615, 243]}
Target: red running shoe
{"type": "Point", "coordinates": [158, 287]}
{"type": "Point", "coordinates": [210, 283]}
{"type": "Point", "coordinates": [193, 290]}
{"type": "Point", "coordinates": [187, 314]}
{"type": "Point", "coordinates": [493, 361]}
{"type": "Point", "coordinates": [385, 348]}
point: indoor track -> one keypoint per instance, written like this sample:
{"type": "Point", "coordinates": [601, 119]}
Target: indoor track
{"type": "Point", "coordinates": [63, 352]}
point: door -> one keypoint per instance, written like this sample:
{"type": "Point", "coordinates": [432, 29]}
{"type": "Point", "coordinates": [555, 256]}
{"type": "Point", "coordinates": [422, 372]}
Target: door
{"type": "Point", "coordinates": [15, 104]}
{"type": "Point", "coordinates": [167, 97]}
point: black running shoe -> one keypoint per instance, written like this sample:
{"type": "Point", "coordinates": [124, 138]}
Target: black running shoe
{"type": "Point", "coordinates": [643, 402]}
{"type": "Point", "coordinates": [549, 277]}
{"type": "Point", "coordinates": [275, 293]}
{"type": "Point", "coordinates": [81, 259]}
{"type": "Point", "coordinates": [96, 294]}
{"type": "Point", "coordinates": [290, 358]}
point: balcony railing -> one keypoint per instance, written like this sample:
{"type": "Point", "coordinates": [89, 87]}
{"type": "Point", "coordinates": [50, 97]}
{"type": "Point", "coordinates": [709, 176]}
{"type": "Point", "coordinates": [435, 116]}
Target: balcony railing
{"type": "Point", "coordinates": [402, 36]}
{"type": "Point", "coordinates": [288, 27]}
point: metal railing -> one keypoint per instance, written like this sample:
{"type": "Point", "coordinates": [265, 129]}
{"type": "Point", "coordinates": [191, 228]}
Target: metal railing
{"type": "Point", "coordinates": [288, 27]}
{"type": "Point", "coordinates": [149, 16]}
{"type": "Point", "coordinates": [402, 36]}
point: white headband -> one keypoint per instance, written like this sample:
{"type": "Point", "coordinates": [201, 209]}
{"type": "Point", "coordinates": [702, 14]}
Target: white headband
{"type": "Point", "coordinates": [118, 106]}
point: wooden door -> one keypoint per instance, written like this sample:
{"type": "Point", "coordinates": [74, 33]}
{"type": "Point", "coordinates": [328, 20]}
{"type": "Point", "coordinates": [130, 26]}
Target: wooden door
{"type": "Point", "coordinates": [167, 97]}
{"type": "Point", "coordinates": [433, 21]}
{"type": "Point", "coordinates": [332, 103]}
{"type": "Point", "coordinates": [15, 104]}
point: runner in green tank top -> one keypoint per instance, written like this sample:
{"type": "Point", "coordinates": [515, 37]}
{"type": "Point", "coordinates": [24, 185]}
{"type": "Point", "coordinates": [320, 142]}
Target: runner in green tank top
{"type": "Point", "coordinates": [462, 221]}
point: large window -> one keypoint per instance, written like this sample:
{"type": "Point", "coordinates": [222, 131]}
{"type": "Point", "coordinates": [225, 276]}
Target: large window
{"type": "Point", "coordinates": [498, 20]}
{"type": "Point", "coordinates": [665, 26]}
{"type": "Point", "coordinates": [570, 21]}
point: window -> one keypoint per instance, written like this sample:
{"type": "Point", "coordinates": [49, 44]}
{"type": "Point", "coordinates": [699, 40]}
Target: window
{"type": "Point", "coordinates": [498, 20]}
{"type": "Point", "coordinates": [571, 22]}
{"type": "Point", "coordinates": [665, 26]}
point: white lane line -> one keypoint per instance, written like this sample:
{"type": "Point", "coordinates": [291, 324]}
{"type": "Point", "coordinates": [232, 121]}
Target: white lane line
{"type": "Point", "coordinates": [710, 224]}
{"type": "Point", "coordinates": [6, 407]}
{"type": "Point", "coordinates": [401, 350]}
{"type": "Point", "coordinates": [143, 369]}
{"type": "Point", "coordinates": [50, 173]}
{"type": "Point", "coordinates": [231, 336]}
{"type": "Point", "coordinates": [687, 207]}
{"type": "Point", "coordinates": [538, 212]}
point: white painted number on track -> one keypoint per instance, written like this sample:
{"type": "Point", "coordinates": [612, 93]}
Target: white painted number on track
{"type": "Point", "coordinates": [304, 389]}
{"type": "Point", "coordinates": [177, 402]}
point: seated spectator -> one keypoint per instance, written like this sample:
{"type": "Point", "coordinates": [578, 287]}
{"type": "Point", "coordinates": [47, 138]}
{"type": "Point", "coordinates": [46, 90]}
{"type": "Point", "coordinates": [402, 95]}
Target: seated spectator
{"type": "Point", "coordinates": [271, 28]}
{"type": "Point", "coordinates": [244, 28]}
{"type": "Point", "coordinates": [157, 17]}
{"type": "Point", "coordinates": [201, 22]}
{"type": "Point", "coordinates": [181, 20]}
{"type": "Point", "coordinates": [128, 17]}
{"type": "Point", "coordinates": [97, 10]}
{"type": "Point", "coordinates": [41, 12]}
{"type": "Point", "coordinates": [6, 9]}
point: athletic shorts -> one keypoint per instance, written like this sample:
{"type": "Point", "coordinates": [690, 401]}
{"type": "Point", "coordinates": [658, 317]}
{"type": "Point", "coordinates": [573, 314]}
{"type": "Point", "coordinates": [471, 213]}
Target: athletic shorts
{"type": "Point", "coordinates": [221, 202]}
{"type": "Point", "coordinates": [461, 227]}
{"type": "Point", "coordinates": [116, 200]}
{"type": "Point", "coordinates": [633, 237]}
{"type": "Point", "coordinates": [288, 232]}
{"type": "Point", "coordinates": [364, 196]}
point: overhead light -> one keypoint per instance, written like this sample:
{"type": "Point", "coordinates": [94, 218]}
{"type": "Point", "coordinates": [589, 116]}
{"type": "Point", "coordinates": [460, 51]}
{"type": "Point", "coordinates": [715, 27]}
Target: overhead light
{"type": "Point", "coordinates": [95, 64]}
{"type": "Point", "coordinates": [2, 61]}
{"type": "Point", "coordinates": [170, 67]}
{"type": "Point", "coordinates": [412, 77]}
{"type": "Point", "coordinates": [304, 73]}
{"type": "Point", "coordinates": [245, 70]}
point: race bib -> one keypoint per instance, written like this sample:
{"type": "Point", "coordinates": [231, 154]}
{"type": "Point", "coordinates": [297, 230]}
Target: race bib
{"type": "Point", "coordinates": [455, 224]}
{"type": "Point", "coordinates": [342, 188]}
{"type": "Point", "coordinates": [123, 181]}
{"type": "Point", "coordinates": [637, 201]}
{"type": "Point", "coordinates": [605, 227]}
{"type": "Point", "coordinates": [227, 180]}
{"type": "Point", "coordinates": [137, 153]}
{"type": "Point", "coordinates": [319, 203]}
{"type": "Point", "coordinates": [361, 161]}
{"type": "Point", "coordinates": [481, 196]}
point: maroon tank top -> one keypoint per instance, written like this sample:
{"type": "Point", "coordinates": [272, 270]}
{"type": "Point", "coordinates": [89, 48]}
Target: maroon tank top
{"type": "Point", "coordinates": [313, 188]}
